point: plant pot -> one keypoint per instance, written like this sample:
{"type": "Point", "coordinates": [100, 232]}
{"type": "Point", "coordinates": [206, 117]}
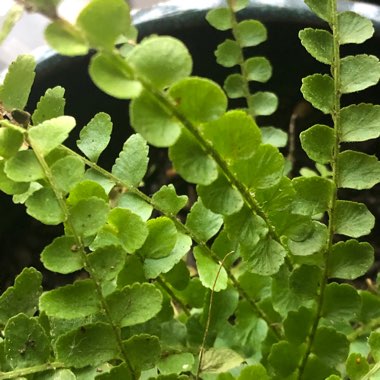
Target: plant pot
{"type": "Point", "coordinates": [22, 238]}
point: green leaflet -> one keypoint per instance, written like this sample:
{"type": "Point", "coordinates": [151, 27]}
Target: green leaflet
{"type": "Point", "coordinates": [23, 167]}
{"type": "Point", "coordinates": [11, 139]}
{"type": "Point", "coordinates": [9, 21]}
{"type": "Point", "coordinates": [132, 163]}
{"type": "Point", "coordinates": [191, 161]}
{"type": "Point", "coordinates": [167, 199]}
{"type": "Point", "coordinates": [318, 142]}
{"type": "Point", "coordinates": [11, 187]}
{"type": "Point", "coordinates": [153, 121]}
{"type": "Point", "coordinates": [228, 53]}
{"type": "Point", "coordinates": [199, 99]}
{"type": "Point", "coordinates": [274, 136]}
{"type": "Point", "coordinates": [67, 172]}
{"type": "Point", "coordinates": [353, 219]}
{"type": "Point", "coordinates": [95, 136]}
{"type": "Point", "coordinates": [374, 342]}
{"type": "Point", "coordinates": [26, 342]}
{"type": "Point", "coordinates": [359, 72]}
{"type": "Point", "coordinates": [178, 276]}
{"type": "Point", "coordinates": [163, 60]}
{"type": "Point", "coordinates": [71, 301]}
{"type": "Point", "coordinates": [318, 43]}
{"type": "Point", "coordinates": [350, 259]}
{"type": "Point", "coordinates": [62, 256]}
{"type": "Point", "coordinates": [262, 103]}
{"type": "Point", "coordinates": [251, 33]}
{"type": "Point", "coordinates": [84, 190]}
{"type": "Point", "coordinates": [357, 170]}
{"type": "Point", "coordinates": [23, 296]}
{"type": "Point", "coordinates": [135, 204]}
{"type": "Point", "coordinates": [210, 273]}
{"type": "Point", "coordinates": [218, 360]}
{"type": "Point", "coordinates": [233, 85]}
{"type": "Point", "coordinates": [219, 18]}
{"type": "Point", "coordinates": [297, 325]}
{"type": "Point", "coordinates": [176, 363]}
{"type": "Point", "coordinates": [356, 366]}
{"type": "Point", "coordinates": [202, 222]}
{"type": "Point", "coordinates": [66, 39]}
{"type": "Point", "coordinates": [134, 304]}
{"type": "Point", "coordinates": [51, 105]}
{"type": "Point", "coordinates": [256, 371]}
{"type": "Point", "coordinates": [121, 372]}
{"type": "Point", "coordinates": [285, 358]}
{"type": "Point", "coordinates": [354, 28]}
{"type": "Point", "coordinates": [14, 92]}
{"type": "Point", "coordinates": [89, 345]}
{"type": "Point", "coordinates": [94, 22]}
{"type": "Point", "coordinates": [258, 69]}
{"type": "Point", "coordinates": [50, 134]}
{"type": "Point", "coordinates": [321, 8]}
{"type": "Point", "coordinates": [318, 89]}
{"type": "Point", "coordinates": [45, 6]}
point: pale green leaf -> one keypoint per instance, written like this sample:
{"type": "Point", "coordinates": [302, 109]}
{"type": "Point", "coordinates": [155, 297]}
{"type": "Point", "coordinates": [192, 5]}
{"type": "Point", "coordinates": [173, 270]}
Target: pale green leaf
{"type": "Point", "coordinates": [322, 8]}
{"type": "Point", "coordinates": [350, 259]}
{"type": "Point", "coordinates": [163, 60]}
{"type": "Point", "coordinates": [66, 39]}
{"type": "Point", "coordinates": [217, 360]}
{"type": "Point", "coordinates": [10, 20]}
{"type": "Point", "coordinates": [105, 183]}
{"type": "Point", "coordinates": [14, 92]}
{"type": "Point", "coordinates": [62, 255]}
{"type": "Point", "coordinates": [9, 186]}
{"type": "Point", "coordinates": [199, 99]}
{"type": "Point", "coordinates": [219, 18]}
{"type": "Point", "coordinates": [154, 122]}
{"type": "Point", "coordinates": [360, 122]}
{"type": "Point", "coordinates": [256, 371]}
{"type": "Point", "coordinates": [228, 53]}
{"type": "Point", "coordinates": [258, 69]}
{"type": "Point", "coordinates": [51, 133]}
{"type": "Point", "coordinates": [11, 139]}
{"type": "Point", "coordinates": [26, 343]}
{"type": "Point", "coordinates": [234, 86]}
{"type": "Point", "coordinates": [89, 345]}
{"type": "Point", "coordinates": [354, 28]}
{"type": "Point", "coordinates": [318, 89]}
{"type": "Point", "coordinates": [110, 73]}
{"type": "Point", "coordinates": [235, 135]}
{"type": "Point", "coordinates": [71, 301]}
{"type": "Point", "coordinates": [132, 163]}
{"type": "Point", "coordinates": [212, 274]}
{"type": "Point", "coordinates": [356, 366]}
{"type": "Point", "coordinates": [191, 161]}
{"type": "Point", "coordinates": [23, 167]}
{"type": "Point", "coordinates": [94, 21]}
{"type": "Point", "coordinates": [220, 197]}
{"type": "Point", "coordinates": [318, 142]}
{"type": "Point", "coordinates": [263, 103]}
{"type": "Point", "coordinates": [134, 304]}
{"type": "Point", "coordinates": [251, 33]}
{"type": "Point", "coordinates": [176, 363]}
{"type": "Point", "coordinates": [318, 43]}
{"type": "Point", "coordinates": [51, 105]}
{"type": "Point", "coordinates": [167, 200]}
{"type": "Point", "coordinates": [357, 170]}
{"type": "Point", "coordinates": [238, 5]}
{"type": "Point", "coordinates": [353, 219]}
{"type": "Point", "coordinates": [202, 222]}
{"type": "Point", "coordinates": [136, 204]}
{"type": "Point", "coordinates": [274, 136]}
{"type": "Point", "coordinates": [359, 72]}
{"type": "Point", "coordinates": [85, 190]}
{"type": "Point", "coordinates": [95, 136]}
{"type": "Point", "coordinates": [67, 172]}
{"type": "Point", "coordinates": [23, 296]}
{"type": "Point", "coordinates": [374, 342]}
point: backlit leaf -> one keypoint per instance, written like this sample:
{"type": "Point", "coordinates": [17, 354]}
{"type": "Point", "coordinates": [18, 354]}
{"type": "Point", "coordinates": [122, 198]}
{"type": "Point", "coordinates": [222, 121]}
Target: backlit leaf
{"type": "Point", "coordinates": [263, 103]}
{"type": "Point", "coordinates": [359, 72]}
{"type": "Point", "coordinates": [318, 43]}
{"type": "Point", "coordinates": [163, 60]}
{"type": "Point", "coordinates": [354, 28]}
{"type": "Point", "coordinates": [318, 142]}
{"type": "Point", "coordinates": [234, 86]}
{"type": "Point", "coordinates": [51, 105]}
{"type": "Point", "coordinates": [357, 170]}
{"type": "Point", "coordinates": [71, 301]}
{"type": "Point", "coordinates": [322, 8]}
{"type": "Point", "coordinates": [23, 167]}
{"type": "Point", "coordinates": [9, 186]}
{"type": "Point", "coordinates": [199, 99]}
{"type": "Point", "coordinates": [219, 18]}
{"type": "Point", "coordinates": [95, 136]}
{"type": "Point", "coordinates": [274, 136]}
{"type": "Point", "coordinates": [318, 89]}
{"type": "Point", "coordinates": [251, 33]}
{"type": "Point", "coordinates": [14, 92]}
{"type": "Point", "coordinates": [9, 20]}
{"type": "Point", "coordinates": [350, 259]}
{"type": "Point", "coordinates": [228, 53]}
{"type": "Point", "coordinates": [134, 304]}
{"type": "Point", "coordinates": [360, 122]}
{"type": "Point", "coordinates": [191, 161]}
{"type": "Point", "coordinates": [153, 121]}
{"type": "Point", "coordinates": [167, 199]}
{"type": "Point", "coordinates": [258, 69]}
{"type": "Point", "coordinates": [217, 360]}
{"type": "Point", "coordinates": [11, 139]}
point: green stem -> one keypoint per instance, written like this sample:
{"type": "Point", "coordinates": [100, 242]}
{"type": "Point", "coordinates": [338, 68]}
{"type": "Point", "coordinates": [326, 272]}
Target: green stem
{"type": "Point", "coordinates": [335, 69]}
{"type": "Point", "coordinates": [22, 372]}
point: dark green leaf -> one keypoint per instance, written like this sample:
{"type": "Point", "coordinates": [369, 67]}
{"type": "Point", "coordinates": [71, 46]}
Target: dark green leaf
{"type": "Point", "coordinates": [121, 372]}
{"type": "Point", "coordinates": [374, 342]}
{"type": "Point", "coordinates": [14, 92]}
{"type": "Point", "coordinates": [318, 89]}
{"type": "Point", "coordinates": [167, 199]}
{"type": "Point", "coordinates": [163, 60]}
{"type": "Point", "coordinates": [354, 28]}
{"type": "Point", "coordinates": [154, 122]}
{"type": "Point", "coordinates": [322, 8]}
{"type": "Point", "coordinates": [11, 139]}
{"type": "Point", "coordinates": [263, 103]}
{"type": "Point", "coordinates": [51, 105]}
{"type": "Point", "coordinates": [23, 167]}
{"type": "Point", "coordinates": [89, 345]}
{"type": "Point", "coordinates": [199, 99]}
{"type": "Point", "coordinates": [62, 256]}
{"type": "Point", "coordinates": [297, 325]}
{"type": "Point", "coordinates": [67, 172]}
{"type": "Point", "coordinates": [26, 343]}
{"type": "Point", "coordinates": [176, 363]}
{"type": "Point", "coordinates": [132, 272]}
{"type": "Point", "coordinates": [357, 170]}
{"type": "Point", "coordinates": [219, 18]}
{"type": "Point", "coordinates": [284, 358]}
{"type": "Point", "coordinates": [95, 136]}
{"type": "Point", "coordinates": [318, 43]}
{"type": "Point", "coordinates": [359, 72]}
{"type": "Point", "coordinates": [356, 366]}
{"type": "Point", "coordinates": [228, 53]}
{"type": "Point", "coordinates": [318, 142]}
{"type": "Point", "coordinates": [132, 163]}
{"type": "Point", "coordinates": [71, 301]}
{"type": "Point", "coordinates": [134, 304]}
{"type": "Point", "coordinates": [350, 259]}
{"type": "Point", "coordinates": [203, 223]}
{"type": "Point", "coordinates": [23, 296]}
{"type": "Point", "coordinates": [251, 33]}
{"type": "Point", "coordinates": [94, 21]}
{"type": "Point", "coordinates": [234, 86]}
